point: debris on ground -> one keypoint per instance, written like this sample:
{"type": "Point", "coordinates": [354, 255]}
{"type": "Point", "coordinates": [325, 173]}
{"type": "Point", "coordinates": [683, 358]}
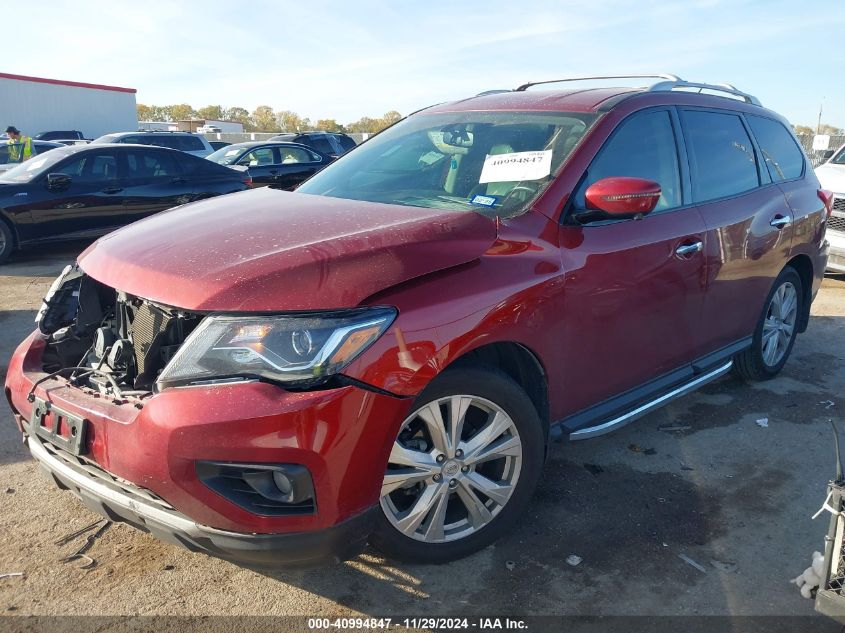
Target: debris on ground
{"type": "Point", "coordinates": [88, 562]}
{"type": "Point", "coordinates": [636, 448]}
{"type": "Point", "coordinates": [690, 561]}
{"type": "Point", "coordinates": [594, 469]}
{"type": "Point", "coordinates": [510, 565]}
{"type": "Point", "coordinates": [13, 574]}
{"type": "Point", "coordinates": [812, 576]}
{"type": "Point", "coordinates": [827, 404]}
{"type": "Point", "coordinates": [763, 423]}
{"type": "Point", "coordinates": [169, 567]}
{"type": "Point", "coordinates": [10, 491]}
{"type": "Point", "coordinates": [726, 566]}
{"type": "Point", "coordinates": [573, 560]}
{"type": "Point", "coordinates": [67, 538]}
{"type": "Point", "coordinates": [675, 428]}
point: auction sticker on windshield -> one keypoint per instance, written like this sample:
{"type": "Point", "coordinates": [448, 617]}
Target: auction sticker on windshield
{"type": "Point", "coordinates": [516, 166]}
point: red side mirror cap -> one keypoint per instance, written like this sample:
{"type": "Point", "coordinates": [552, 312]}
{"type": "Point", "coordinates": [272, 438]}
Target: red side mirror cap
{"type": "Point", "coordinates": [623, 195]}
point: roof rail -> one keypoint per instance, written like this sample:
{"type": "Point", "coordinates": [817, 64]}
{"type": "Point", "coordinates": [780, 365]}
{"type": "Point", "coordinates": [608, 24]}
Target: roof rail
{"type": "Point", "coordinates": [665, 86]}
{"type": "Point", "coordinates": [665, 76]}
{"type": "Point", "coordinates": [670, 82]}
{"type": "Point", "coordinates": [493, 92]}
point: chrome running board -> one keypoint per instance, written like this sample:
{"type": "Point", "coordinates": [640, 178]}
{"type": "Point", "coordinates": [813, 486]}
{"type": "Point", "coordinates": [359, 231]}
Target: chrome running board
{"type": "Point", "coordinates": [648, 407]}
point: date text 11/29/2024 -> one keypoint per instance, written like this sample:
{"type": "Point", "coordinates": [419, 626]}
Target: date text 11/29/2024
{"type": "Point", "coordinates": [434, 623]}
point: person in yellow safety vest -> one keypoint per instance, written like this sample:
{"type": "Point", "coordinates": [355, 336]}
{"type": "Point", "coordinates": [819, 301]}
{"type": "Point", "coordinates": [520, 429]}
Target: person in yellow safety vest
{"type": "Point", "coordinates": [20, 146]}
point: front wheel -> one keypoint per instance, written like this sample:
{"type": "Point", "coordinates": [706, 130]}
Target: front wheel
{"type": "Point", "coordinates": [776, 330]}
{"type": "Point", "coordinates": [7, 242]}
{"type": "Point", "coordinates": [462, 469]}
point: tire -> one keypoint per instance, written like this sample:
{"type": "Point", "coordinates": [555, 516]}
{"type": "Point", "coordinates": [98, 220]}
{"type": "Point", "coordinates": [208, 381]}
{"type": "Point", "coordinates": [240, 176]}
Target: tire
{"type": "Point", "coordinates": [500, 420]}
{"type": "Point", "coordinates": [758, 362]}
{"type": "Point", "coordinates": [7, 241]}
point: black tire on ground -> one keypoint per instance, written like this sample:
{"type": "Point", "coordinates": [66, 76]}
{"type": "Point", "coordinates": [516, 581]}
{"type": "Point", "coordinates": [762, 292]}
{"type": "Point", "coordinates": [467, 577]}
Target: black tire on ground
{"type": "Point", "coordinates": [495, 386]}
{"type": "Point", "coordinates": [750, 364]}
{"type": "Point", "coordinates": [7, 241]}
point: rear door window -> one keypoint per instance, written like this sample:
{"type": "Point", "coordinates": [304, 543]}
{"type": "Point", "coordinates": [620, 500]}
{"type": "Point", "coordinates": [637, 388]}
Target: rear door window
{"type": "Point", "coordinates": [151, 165]}
{"type": "Point", "coordinates": [643, 146]}
{"type": "Point", "coordinates": [783, 158]}
{"type": "Point", "coordinates": [291, 155]}
{"type": "Point", "coordinates": [259, 157]}
{"type": "Point", "coordinates": [721, 155]}
{"type": "Point", "coordinates": [92, 167]}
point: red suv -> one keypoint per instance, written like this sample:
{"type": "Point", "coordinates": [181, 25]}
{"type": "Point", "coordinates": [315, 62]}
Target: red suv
{"type": "Point", "coordinates": [275, 377]}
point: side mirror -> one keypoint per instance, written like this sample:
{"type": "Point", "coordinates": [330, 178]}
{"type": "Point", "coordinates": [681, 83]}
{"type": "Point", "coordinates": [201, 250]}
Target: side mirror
{"type": "Point", "coordinates": [826, 155]}
{"type": "Point", "coordinates": [58, 181]}
{"type": "Point", "coordinates": [623, 196]}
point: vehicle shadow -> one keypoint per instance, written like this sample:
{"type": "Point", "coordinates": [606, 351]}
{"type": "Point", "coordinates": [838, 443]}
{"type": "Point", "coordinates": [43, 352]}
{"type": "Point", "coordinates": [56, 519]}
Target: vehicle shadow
{"type": "Point", "coordinates": [699, 507]}
{"type": "Point", "coordinates": [625, 525]}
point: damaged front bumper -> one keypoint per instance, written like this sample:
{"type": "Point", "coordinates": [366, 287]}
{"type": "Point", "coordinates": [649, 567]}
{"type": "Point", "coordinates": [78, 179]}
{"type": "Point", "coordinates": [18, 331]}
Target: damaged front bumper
{"type": "Point", "coordinates": [117, 501]}
{"type": "Point", "coordinates": [140, 465]}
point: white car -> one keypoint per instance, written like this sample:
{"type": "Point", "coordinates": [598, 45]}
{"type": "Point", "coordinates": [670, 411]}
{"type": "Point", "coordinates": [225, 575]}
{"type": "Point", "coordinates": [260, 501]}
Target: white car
{"type": "Point", "coordinates": [831, 175]}
{"type": "Point", "coordinates": [195, 144]}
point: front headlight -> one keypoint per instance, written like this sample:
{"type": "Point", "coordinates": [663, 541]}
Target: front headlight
{"type": "Point", "coordinates": [295, 349]}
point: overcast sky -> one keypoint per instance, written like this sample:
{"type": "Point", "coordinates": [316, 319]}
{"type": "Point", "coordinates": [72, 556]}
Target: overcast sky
{"type": "Point", "coordinates": [344, 60]}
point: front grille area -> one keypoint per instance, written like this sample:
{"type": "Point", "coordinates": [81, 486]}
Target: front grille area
{"type": "Point", "coordinates": [836, 223]}
{"type": "Point", "coordinates": [839, 204]}
{"type": "Point", "coordinates": [147, 329]}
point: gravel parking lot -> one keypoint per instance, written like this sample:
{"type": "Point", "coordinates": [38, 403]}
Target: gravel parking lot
{"type": "Point", "coordinates": [732, 495]}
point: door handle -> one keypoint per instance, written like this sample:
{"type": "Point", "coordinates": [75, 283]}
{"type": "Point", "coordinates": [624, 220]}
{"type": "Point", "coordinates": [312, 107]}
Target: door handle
{"type": "Point", "coordinates": [178, 181]}
{"type": "Point", "coordinates": [780, 221]}
{"type": "Point", "coordinates": [687, 250]}
{"type": "Point", "coordinates": [112, 190]}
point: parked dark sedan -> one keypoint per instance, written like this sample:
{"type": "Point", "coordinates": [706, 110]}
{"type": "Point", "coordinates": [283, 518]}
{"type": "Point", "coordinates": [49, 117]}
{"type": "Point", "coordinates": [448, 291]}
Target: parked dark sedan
{"type": "Point", "coordinates": [83, 191]}
{"type": "Point", "coordinates": [283, 165]}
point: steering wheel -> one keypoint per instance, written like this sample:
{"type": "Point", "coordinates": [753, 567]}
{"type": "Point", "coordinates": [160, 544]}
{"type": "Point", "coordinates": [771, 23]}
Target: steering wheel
{"type": "Point", "coordinates": [521, 193]}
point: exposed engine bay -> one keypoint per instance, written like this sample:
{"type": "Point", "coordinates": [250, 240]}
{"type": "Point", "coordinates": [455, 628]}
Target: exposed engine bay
{"type": "Point", "coordinates": [106, 340]}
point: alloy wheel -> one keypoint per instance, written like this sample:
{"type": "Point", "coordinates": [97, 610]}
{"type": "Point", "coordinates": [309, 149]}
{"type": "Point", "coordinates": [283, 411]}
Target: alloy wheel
{"type": "Point", "coordinates": [779, 325]}
{"type": "Point", "coordinates": [452, 469]}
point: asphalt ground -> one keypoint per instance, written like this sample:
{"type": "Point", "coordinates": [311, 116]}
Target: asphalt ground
{"type": "Point", "coordinates": [725, 492]}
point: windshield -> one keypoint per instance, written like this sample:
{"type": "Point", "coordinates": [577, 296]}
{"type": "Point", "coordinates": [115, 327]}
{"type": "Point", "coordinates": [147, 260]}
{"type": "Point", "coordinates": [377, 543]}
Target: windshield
{"type": "Point", "coordinates": [35, 166]}
{"type": "Point", "coordinates": [491, 162]}
{"type": "Point", "coordinates": [839, 157]}
{"type": "Point", "coordinates": [227, 155]}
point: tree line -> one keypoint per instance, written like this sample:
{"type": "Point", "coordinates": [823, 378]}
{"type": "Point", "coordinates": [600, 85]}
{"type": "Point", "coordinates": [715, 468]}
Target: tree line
{"type": "Point", "coordinates": [824, 128]}
{"type": "Point", "coordinates": [263, 118]}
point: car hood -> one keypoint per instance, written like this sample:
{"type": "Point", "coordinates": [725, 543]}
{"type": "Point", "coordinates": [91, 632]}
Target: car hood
{"type": "Point", "coordinates": [832, 177]}
{"type": "Point", "coordinates": [271, 250]}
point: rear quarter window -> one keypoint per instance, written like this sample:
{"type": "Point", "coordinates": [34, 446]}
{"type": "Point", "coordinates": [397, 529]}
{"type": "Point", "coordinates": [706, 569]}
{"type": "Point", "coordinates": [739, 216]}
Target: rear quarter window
{"type": "Point", "coordinates": [190, 144]}
{"type": "Point", "coordinates": [346, 142]}
{"type": "Point", "coordinates": [200, 167]}
{"type": "Point", "coordinates": [721, 155]}
{"type": "Point", "coordinates": [321, 144]}
{"type": "Point", "coordinates": [783, 158]}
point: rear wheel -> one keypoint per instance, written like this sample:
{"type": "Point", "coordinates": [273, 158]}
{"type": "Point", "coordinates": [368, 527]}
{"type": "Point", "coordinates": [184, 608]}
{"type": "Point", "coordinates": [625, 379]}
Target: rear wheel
{"type": "Point", "coordinates": [7, 241]}
{"type": "Point", "coordinates": [776, 330]}
{"type": "Point", "coordinates": [462, 468]}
